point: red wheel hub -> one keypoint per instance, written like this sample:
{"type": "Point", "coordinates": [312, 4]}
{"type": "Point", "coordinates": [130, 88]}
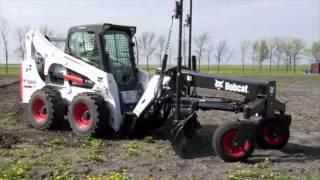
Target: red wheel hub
{"type": "Point", "coordinates": [39, 111]}
{"type": "Point", "coordinates": [231, 149]}
{"type": "Point", "coordinates": [273, 135]}
{"type": "Point", "coordinates": [82, 115]}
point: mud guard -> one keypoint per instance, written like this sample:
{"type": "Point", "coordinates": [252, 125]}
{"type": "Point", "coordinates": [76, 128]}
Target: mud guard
{"type": "Point", "coordinates": [284, 120]}
{"type": "Point", "coordinates": [248, 128]}
{"type": "Point", "coordinates": [180, 131]}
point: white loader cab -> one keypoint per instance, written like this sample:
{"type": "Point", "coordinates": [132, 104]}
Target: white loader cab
{"type": "Point", "coordinates": [95, 82]}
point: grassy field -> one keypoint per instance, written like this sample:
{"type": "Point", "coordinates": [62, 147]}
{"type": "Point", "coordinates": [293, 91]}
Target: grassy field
{"type": "Point", "coordinates": [248, 70]}
{"type": "Point", "coordinates": [13, 69]}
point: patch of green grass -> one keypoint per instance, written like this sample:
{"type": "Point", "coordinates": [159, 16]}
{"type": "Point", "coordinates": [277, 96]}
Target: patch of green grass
{"type": "Point", "coordinates": [262, 165]}
{"type": "Point", "coordinates": [167, 148]}
{"type": "Point", "coordinates": [158, 154]}
{"type": "Point", "coordinates": [58, 167]}
{"type": "Point", "coordinates": [149, 139]}
{"type": "Point", "coordinates": [23, 169]}
{"type": "Point", "coordinates": [93, 147]}
{"type": "Point", "coordinates": [8, 120]}
{"type": "Point", "coordinates": [118, 176]}
{"type": "Point", "coordinates": [56, 142]}
{"type": "Point", "coordinates": [302, 177]}
{"type": "Point", "coordinates": [258, 171]}
{"type": "Point", "coordinates": [18, 153]}
{"type": "Point", "coordinates": [121, 175]}
{"type": "Point", "coordinates": [94, 157]}
{"type": "Point", "coordinates": [194, 178]}
{"type": "Point", "coordinates": [132, 149]}
{"type": "Point", "coordinates": [261, 171]}
{"type": "Point", "coordinates": [15, 170]}
{"type": "Point", "coordinates": [62, 172]}
{"type": "Point", "coordinates": [92, 143]}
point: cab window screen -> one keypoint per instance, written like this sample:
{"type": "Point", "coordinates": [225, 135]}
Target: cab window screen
{"type": "Point", "coordinates": [118, 50]}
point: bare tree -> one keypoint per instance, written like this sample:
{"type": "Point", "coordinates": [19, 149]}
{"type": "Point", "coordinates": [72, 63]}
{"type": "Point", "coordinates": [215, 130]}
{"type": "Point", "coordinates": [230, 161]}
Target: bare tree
{"type": "Point", "coordinates": [244, 46]}
{"type": "Point", "coordinates": [147, 45]}
{"type": "Point", "coordinates": [262, 52]}
{"type": "Point", "coordinates": [278, 52]}
{"type": "Point", "coordinates": [20, 37]}
{"type": "Point", "coordinates": [271, 49]}
{"type": "Point", "coordinates": [314, 51]}
{"type": "Point", "coordinates": [210, 51]}
{"type": "Point", "coordinates": [161, 42]}
{"type": "Point", "coordinates": [298, 46]}
{"type": "Point", "coordinates": [201, 42]}
{"type": "Point", "coordinates": [293, 48]}
{"type": "Point", "coordinates": [4, 30]}
{"type": "Point", "coordinates": [287, 49]}
{"type": "Point", "coordinates": [254, 49]}
{"type": "Point", "coordinates": [222, 52]}
{"type": "Point", "coordinates": [49, 32]}
{"type": "Point", "coordinates": [46, 31]}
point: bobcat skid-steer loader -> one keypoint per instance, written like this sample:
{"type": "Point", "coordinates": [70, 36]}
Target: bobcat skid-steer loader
{"type": "Point", "coordinates": [95, 81]}
{"type": "Point", "coordinates": [96, 85]}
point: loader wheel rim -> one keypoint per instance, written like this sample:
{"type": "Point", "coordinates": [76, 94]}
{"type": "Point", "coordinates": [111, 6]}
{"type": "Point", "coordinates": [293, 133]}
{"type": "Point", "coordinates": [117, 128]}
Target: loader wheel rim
{"type": "Point", "coordinates": [231, 149]}
{"type": "Point", "coordinates": [273, 135]}
{"type": "Point", "coordinates": [39, 111]}
{"type": "Point", "coordinates": [82, 116]}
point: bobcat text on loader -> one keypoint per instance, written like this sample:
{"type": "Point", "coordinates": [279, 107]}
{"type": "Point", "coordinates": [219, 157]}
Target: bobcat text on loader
{"type": "Point", "coordinates": [96, 84]}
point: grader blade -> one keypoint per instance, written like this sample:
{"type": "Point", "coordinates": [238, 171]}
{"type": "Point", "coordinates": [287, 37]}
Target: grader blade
{"type": "Point", "coordinates": [181, 131]}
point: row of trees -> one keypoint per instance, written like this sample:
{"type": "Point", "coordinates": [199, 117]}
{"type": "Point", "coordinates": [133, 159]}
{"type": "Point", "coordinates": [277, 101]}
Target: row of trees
{"type": "Point", "coordinates": [275, 51]}
{"type": "Point", "coordinates": [287, 51]}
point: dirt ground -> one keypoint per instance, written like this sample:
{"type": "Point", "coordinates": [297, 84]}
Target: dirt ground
{"type": "Point", "coordinates": [29, 153]}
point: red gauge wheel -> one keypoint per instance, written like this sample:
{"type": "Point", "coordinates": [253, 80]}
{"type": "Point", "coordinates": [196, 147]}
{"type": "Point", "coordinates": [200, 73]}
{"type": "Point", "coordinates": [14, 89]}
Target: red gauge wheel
{"type": "Point", "coordinates": [231, 149]}
{"type": "Point", "coordinates": [222, 143]}
{"type": "Point", "coordinates": [271, 135]}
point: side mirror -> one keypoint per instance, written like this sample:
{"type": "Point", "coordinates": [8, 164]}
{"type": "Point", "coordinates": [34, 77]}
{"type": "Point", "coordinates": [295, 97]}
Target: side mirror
{"type": "Point", "coordinates": [137, 49]}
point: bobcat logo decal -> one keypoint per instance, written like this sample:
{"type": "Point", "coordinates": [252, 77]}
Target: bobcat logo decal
{"type": "Point", "coordinates": [218, 84]}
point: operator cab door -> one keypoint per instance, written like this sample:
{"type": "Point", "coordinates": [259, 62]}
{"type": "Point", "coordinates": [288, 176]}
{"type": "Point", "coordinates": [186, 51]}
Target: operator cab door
{"type": "Point", "coordinates": [120, 56]}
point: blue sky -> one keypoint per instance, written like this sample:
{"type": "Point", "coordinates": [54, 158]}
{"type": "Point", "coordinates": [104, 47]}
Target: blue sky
{"type": "Point", "coordinates": [232, 20]}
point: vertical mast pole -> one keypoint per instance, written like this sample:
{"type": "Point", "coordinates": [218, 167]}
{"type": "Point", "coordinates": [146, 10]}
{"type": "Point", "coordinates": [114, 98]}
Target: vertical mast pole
{"type": "Point", "coordinates": [190, 34]}
{"type": "Point", "coordinates": [178, 75]}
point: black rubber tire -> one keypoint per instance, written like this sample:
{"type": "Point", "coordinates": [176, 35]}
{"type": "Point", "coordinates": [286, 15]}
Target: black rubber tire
{"type": "Point", "coordinates": [53, 105]}
{"type": "Point", "coordinates": [218, 143]}
{"type": "Point", "coordinates": [98, 115]}
{"type": "Point", "coordinates": [263, 136]}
